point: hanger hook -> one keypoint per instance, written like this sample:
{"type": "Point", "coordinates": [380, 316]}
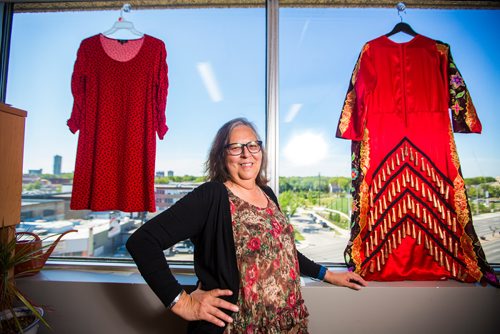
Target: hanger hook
{"type": "Point", "coordinates": [126, 8]}
{"type": "Point", "coordinates": [401, 7]}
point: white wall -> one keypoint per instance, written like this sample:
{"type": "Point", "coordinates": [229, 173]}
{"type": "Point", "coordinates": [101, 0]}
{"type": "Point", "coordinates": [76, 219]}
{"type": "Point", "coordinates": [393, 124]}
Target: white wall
{"type": "Point", "coordinates": [120, 302]}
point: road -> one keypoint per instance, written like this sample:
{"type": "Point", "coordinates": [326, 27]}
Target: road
{"type": "Point", "coordinates": [321, 244]}
{"type": "Point", "coordinates": [487, 227]}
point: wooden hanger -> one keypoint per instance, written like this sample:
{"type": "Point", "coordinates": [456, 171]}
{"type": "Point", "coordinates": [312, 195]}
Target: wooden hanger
{"type": "Point", "coordinates": [401, 26]}
{"type": "Point", "coordinates": [123, 29]}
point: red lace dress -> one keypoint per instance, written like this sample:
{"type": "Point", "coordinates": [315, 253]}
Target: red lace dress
{"type": "Point", "coordinates": [270, 300]}
{"type": "Point", "coordinates": [120, 92]}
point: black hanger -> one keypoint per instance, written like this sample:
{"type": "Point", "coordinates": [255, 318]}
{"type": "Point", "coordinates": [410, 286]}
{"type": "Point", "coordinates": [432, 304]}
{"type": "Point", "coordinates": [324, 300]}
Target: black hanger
{"type": "Point", "coordinates": [402, 27]}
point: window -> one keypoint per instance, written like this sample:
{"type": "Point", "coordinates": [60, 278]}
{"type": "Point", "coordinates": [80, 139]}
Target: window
{"type": "Point", "coordinates": [216, 60]}
{"type": "Point", "coordinates": [318, 50]}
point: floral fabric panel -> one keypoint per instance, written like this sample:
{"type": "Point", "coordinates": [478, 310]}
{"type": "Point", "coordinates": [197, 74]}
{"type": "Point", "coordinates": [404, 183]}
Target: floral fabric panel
{"type": "Point", "coordinates": [270, 300]}
{"type": "Point", "coordinates": [463, 113]}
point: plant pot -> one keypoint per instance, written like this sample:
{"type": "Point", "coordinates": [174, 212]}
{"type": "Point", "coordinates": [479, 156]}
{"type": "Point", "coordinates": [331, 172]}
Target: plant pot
{"type": "Point", "coordinates": [20, 312]}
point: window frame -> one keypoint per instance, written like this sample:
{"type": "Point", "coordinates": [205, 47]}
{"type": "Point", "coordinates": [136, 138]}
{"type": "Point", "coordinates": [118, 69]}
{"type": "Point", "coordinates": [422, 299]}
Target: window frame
{"type": "Point", "coordinates": [7, 11]}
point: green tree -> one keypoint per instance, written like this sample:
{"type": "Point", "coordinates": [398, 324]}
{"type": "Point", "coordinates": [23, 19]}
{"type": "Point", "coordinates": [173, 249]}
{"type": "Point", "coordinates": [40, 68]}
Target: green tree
{"type": "Point", "coordinates": [33, 186]}
{"type": "Point", "coordinates": [479, 180]}
{"type": "Point", "coordinates": [290, 201]}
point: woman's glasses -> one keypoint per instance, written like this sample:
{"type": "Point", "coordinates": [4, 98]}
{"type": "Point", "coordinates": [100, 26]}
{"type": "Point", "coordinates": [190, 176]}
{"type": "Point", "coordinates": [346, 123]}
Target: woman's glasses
{"type": "Point", "coordinates": [237, 148]}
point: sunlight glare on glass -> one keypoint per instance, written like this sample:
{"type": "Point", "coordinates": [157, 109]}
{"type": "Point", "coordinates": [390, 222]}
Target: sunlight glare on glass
{"type": "Point", "coordinates": [292, 112]}
{"type": "Point", "coordinates": [306, 149]}
{"type": "Point", "coordinates": [209, 80]}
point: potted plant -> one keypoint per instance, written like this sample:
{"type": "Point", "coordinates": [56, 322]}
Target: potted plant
{"type": "Point", "coordinates": [17, 313]}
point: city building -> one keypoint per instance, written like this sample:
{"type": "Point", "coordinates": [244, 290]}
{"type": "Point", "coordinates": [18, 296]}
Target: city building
{"type": "Point", "coordinates": [57, 164]}
{"type": "Point", "coordinates": [35, 171]}
{"type": "Point", "coordinates": [42, 209]}
{"type": "Point", "coordinates": [167, 194]}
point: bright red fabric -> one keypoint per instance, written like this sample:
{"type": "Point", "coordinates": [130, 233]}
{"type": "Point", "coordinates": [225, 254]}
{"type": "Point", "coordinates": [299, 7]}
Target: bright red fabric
{"type": "Point", "coordinates": [411, 219]}
{"type": "Point", "coordinates": [118, 107]}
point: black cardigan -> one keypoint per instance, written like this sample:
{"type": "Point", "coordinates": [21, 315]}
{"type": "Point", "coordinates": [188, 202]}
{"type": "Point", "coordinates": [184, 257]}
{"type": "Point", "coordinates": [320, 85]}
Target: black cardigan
{"type": "Point", "coordinates": [204, 216]}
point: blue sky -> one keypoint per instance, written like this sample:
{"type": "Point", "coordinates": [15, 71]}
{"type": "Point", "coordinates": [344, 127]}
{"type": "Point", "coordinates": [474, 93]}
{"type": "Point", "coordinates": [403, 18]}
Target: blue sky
{"type": "Point", "coordinates": [318, 49]}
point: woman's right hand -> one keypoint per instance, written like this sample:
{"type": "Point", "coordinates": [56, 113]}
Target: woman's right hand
{"type": "Point", "coordinates": [205, 305]}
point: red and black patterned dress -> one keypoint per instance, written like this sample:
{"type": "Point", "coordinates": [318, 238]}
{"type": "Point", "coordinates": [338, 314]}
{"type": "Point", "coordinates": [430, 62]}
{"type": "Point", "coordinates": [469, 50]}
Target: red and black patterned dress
{"type": "Point", "coordinates": [411, 219]}
{"type": "Point", "coordinates": [120, 92]}
{"type": "Point", "coordinates": [270, 300]}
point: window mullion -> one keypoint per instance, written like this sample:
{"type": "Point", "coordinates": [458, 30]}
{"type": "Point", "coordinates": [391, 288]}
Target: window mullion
{"type": "Point", "coordinates": [272, 98]}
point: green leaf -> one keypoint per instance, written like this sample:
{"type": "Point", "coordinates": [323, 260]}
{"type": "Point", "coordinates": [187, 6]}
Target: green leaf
{"type": "Point", "coordinates": [459, 95]}
{"type": "Point", "coordinates": [31, 307]}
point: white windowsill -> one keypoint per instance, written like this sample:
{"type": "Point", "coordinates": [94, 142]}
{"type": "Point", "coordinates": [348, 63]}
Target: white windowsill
{"type": "Point", "coordinates": [127, 273]}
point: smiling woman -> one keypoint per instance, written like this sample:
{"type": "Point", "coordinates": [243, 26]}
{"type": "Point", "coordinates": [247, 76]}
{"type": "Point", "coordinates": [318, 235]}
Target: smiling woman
{"type": "Point", "coordinates": [251, 279]}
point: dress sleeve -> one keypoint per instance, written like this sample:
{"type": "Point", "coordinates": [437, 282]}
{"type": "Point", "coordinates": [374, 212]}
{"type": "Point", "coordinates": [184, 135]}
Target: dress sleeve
{"type": "Point", "coordinates": [307, 266]}
{"type": "Point", "coordinates": [463, 113]}
{"type": "Point", "coordinates": [78, 80]}
{"type": "Point", "coordinates": [353, 116]}
{"type": "Point", "coordinates": [161, 94]}
{"type": "Point", "coordinates": [183, 220]}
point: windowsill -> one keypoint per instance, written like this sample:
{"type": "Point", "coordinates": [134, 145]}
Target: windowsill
{"type": "Point", "coordinates": [127, 273]}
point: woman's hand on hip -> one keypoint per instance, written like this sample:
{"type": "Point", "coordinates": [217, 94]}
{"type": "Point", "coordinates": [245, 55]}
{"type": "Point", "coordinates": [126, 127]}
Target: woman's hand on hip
{"type": "Point", "coordinates": [205, 305]}
{"type": "Point", "coordinates": [348, 279]}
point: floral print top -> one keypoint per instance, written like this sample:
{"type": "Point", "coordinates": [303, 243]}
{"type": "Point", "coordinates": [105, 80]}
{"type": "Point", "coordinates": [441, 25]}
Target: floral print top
{"type": "Point", "coordinates": [270, 300]}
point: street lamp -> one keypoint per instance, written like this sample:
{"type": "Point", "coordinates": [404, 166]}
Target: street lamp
{"type": "Point", "coordinates": [477, 198]}
{"type": "Point", "coordinates": [319, 189]}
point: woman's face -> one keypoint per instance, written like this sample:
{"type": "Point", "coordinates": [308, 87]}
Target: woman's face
{"type": "Point", "coordinates": [245, 166]}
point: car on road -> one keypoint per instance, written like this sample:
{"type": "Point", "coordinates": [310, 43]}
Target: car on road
{"type": "Point", "coordinates": [183, 247]}
{"type": "Point", "coordinates": [121, 251]}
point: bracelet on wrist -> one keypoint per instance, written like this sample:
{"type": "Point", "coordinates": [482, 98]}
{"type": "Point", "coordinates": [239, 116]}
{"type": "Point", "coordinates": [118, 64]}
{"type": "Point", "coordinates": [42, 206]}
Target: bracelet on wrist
{"type": "Point", "coordinates": [176, 299]}
{"type": "Point", "coordinates": [322, 273]}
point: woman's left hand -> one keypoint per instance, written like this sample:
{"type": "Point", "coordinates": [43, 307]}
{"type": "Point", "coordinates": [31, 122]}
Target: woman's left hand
{"type": "Point", "coordinates": [347, 279]}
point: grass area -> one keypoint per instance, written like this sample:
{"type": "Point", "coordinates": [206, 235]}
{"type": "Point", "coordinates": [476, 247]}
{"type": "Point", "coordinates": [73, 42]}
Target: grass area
{"type": "Point", "coordinates": [297, 235]}
{"type": "Point", "coordinates": [335, 219]}
{"type": "Point", "coordinates": [337, 203]}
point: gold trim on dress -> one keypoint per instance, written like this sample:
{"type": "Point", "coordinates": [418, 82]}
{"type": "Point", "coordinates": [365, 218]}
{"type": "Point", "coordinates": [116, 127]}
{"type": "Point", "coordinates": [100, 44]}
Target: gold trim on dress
{"type": "Point", "coordinates": [471, 118]}
{"type": "Point", "coordinates": [350, 100]}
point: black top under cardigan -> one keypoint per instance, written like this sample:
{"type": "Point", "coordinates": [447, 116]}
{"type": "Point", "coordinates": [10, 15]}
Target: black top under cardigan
{"type": "Point", "coordinates": [204, 216]}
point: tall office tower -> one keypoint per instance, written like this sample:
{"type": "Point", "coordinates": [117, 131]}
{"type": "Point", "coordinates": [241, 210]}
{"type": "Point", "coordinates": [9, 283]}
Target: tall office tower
{"type": "Point", "coordinates": [57, 164]}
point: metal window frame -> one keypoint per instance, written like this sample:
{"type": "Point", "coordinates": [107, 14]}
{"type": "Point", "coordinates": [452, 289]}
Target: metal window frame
{"type": "Point", "coordinates": [6, 15]}
{"type": "Point", "coordinates": [272, 75]}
